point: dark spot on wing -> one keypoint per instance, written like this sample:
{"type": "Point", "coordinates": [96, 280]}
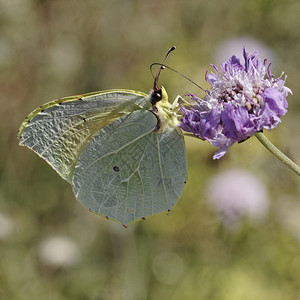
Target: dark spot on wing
{"type": "Point", "coordinates": [125, 226]}
{"type": "Point", "coordinates": [143, 218]}
{"type": "Point", "coordinates": [83, 119]}
{"type": "Point", "coordinates": [184, 182]}
{"type": "Point", "coordinates": [116, 168]}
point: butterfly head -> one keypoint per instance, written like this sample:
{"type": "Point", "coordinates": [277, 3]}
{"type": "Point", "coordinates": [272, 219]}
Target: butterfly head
{"type": "Point", "coordinates": [158, 95]}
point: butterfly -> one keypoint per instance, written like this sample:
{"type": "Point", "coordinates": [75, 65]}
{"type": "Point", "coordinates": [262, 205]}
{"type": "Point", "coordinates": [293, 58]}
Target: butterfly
{"type": "Point", "coordinates": [121, 150]}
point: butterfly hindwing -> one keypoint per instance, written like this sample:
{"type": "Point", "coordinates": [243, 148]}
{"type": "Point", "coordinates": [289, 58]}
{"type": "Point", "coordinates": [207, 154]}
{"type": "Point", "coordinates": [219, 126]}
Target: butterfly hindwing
{"type": "Point", "coordinates": [128, 171]}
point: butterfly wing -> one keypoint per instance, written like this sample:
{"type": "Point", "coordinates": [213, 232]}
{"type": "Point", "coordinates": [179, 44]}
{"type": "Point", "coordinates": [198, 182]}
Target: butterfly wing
{"type": "Point", "coordinates": [127, 171]}
{"type": "Point", "coordinates": [59, 130]}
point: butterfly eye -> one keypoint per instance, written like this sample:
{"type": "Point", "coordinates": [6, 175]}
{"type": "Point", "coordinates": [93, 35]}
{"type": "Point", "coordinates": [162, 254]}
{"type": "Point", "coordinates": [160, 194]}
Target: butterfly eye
{"type": "Point", "coordinates": [155, 96]}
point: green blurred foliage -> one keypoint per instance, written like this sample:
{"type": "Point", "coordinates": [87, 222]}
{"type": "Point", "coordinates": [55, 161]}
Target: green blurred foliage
{"type": "Point", "coordinates": [51, 49]}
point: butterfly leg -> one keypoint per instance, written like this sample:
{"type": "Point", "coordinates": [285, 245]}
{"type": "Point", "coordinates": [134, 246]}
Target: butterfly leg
{"type": "Point", "coordinates": [178, 102]}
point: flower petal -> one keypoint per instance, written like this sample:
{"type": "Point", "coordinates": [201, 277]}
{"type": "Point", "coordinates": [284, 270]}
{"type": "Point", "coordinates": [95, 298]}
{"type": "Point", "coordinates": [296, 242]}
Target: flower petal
{"type": "Point", "coordinates": [276, 101]}
{"type": "Point", "coordinates": [237, 123]}
{"type": "Point", "coordinates": [222, 142]}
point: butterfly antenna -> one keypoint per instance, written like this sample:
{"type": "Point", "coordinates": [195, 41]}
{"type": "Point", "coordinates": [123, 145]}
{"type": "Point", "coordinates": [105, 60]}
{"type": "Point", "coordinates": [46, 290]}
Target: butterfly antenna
{"type": "Point", "coordinates": [162, 66]}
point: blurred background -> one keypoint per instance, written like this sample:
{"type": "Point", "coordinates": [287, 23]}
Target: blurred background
{"type": "Point", "coordinates": [234, 234]}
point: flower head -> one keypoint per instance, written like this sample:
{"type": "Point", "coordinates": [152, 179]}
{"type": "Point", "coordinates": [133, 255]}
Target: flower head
{"type": "Point", "coordinates": [244, 99]}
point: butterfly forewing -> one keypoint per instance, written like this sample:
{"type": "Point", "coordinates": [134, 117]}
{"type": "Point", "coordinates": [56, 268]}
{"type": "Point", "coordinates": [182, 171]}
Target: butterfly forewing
{"type": "Point", "coordinates": [127, 171]}
{"type": "Point", "coordinates": [61, 129]}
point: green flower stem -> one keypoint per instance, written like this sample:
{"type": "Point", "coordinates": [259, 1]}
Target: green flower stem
{"type": "Point", "coordinates": [262, 138]}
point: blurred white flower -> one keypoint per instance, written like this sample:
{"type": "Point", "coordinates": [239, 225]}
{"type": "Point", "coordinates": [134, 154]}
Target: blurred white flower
{"type": "Point", "coordinates": [59, 252]}
{"type": "Point", "coordinates": [6, 226]}
{"type": "Point", "coordinates": [235, 194]}
{"type": "Point", "coordinates": [234, 45]}
{"type": "Point", "coordinates": [67, 50]}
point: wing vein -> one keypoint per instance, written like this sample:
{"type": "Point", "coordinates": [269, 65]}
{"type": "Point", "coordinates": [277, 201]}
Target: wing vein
{"type": "Point", "coordinates": [161, 171]}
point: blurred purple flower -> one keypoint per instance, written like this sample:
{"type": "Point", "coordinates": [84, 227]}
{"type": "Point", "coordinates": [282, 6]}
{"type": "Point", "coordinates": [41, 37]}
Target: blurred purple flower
{"type": "Point", "coordinates": [236, 194]}
{"type": "Point", "coordinates": [235, 44]}
{"type": "Point", "coordinates": [243, 99]}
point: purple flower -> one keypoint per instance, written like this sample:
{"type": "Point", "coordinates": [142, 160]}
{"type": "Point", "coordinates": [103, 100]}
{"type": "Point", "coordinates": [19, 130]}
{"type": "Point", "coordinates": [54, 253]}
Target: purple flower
{"type": "Point", "coordinates": [244, 99]}
{"type": "Point", "coordinates": [235, 194]}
